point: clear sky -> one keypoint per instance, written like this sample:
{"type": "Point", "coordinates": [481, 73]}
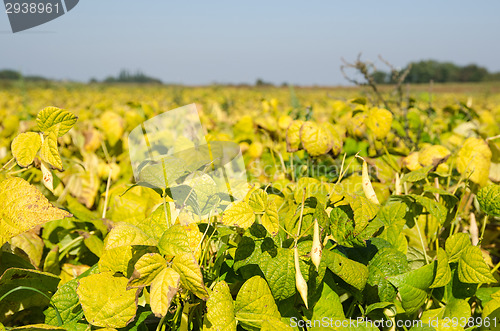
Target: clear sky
{"type": "Point", "coordinates": [300, 42]}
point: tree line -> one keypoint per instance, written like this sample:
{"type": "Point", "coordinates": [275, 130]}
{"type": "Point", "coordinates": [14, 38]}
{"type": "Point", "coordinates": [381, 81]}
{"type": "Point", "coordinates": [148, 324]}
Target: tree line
{"type": "Point", "coordinates": [439, 72]}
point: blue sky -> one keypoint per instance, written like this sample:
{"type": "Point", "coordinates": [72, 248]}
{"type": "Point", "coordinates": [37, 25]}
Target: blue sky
{"type": "Point", "coordinates": [300, 42]}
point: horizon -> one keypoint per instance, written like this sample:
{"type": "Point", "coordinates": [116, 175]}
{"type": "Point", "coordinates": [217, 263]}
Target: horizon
{"type": "Point", "coordinates": [237, 43]}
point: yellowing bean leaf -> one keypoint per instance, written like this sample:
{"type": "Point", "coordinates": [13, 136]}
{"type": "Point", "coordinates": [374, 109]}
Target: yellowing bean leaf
{"type": "Point", "coordinates": [50, 117]}
{"type": "Point", "coordinates": [163, 288]}
{"type": "Point", "coordinates": [474, 159]}
{"type": "Point", "coordinates": [146, 269]}
{"type": "Point", "coordinates": [49, 152]}
{"type": "Point", "coordinates": [316, 139]}
{"type": "Point", "coordinates": [270, 218]}
{"type": "Point", "coordinates": [25, 146]}
{"type": "Point", "coordinates": [105, 300]}
{"type": "Point", "coordinates": [379, 121]}
{"type": "Point", "coordinates": [191, 278]}
{"type": "Point", "coordinates": [255, 303]}
{"type": "Point", "coordinates": [220, 310]}
{"type": "Point", "coordinates": [174, 241]}
{"type": "Point", "coordinates": [23, 207]}
{"type": "Point", "coordinates": [124, 234]}
{"type": "Point", "coordinates": [472, 268]}
{"type": "Point", "coordinates": [240, 214]}
{"type": "Point", "coordinates": [293, 136]}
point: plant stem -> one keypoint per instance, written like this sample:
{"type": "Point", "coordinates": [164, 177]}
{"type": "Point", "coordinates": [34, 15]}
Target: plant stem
{"type": "Point", "coordinates": [107, 192]}
{"type": "Point", "coordinates": [422, 242]}
{"type": "Point", "coordinates": [58, 315]}
{"type": "Point", "coordinates": [483, 228]}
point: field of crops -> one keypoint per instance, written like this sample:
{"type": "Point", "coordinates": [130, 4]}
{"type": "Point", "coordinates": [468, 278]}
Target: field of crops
{"type": "Point", "coordinates": [360, 211]}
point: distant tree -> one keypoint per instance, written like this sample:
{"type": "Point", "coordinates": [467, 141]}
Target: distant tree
{"type": "Point", "coordinates": [126, 77]}
{"type": "Point", "coordinates": [472, 73]}
{"type": "Point", "coordinates": [10, 74]}
{"type": "Point", "coordinates": [380, 77]}
{"type": "Point", "coordinates": [260, 82]}
{"type": "Point", "coordinates": [444, 72]}
{"type": "Point", "coordinates": [36, 78]}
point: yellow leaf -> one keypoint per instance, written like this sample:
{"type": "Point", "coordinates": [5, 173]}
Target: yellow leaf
{"type": "Point", "coordinates": [357, 126]}
{"type": "Point", "coordinates": [220, 310]}
{"type": "Point", "coordinates": [293, 136]}
{"type": "Point", "coordinates": [50, 117]}
{"type": "Point", "coordinates": [433, 155]}
{"type": "Point", "coordinates": [411, 161]}
{"type": "Point", "coordinates": [31, 244]}
{"type": "Point", "coordinates": [194, 237]}
{"type": "Point", "coordinates": [163, 288]}
{"type": "Point", "coordinates": [191, 278]}
{"type": "Point", "coordinates": [337, 136]}
{"type": "Point", "coordinates": [49, 152]}
{"type": "Point", "coordinates": [239, 214]}
{"type": "Point", "coordinates": [23, 207]}
{"type": "Point", "coordinates": [315, 138]}
{"type": "Point", "coordinates": [113, 126]}
{"type": "Point", "coordinates": [379, 122]}
{"type": "Point", "coordinates": [146, 269]}
{"type": "Point", "coordinates": [25, 146]}
{"type": "Point", "coordinates": [474, 160]}
{"type": "Point", "coordinates": [106, 301]}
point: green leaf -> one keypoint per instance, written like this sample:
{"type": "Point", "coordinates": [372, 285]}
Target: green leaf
{"type": "Point", "coordinates": [443, 272]}
{"type": "Point", "coordinates": [416, 175]}
{"type": "Point", "coordinates": [489, 200]}
{"type": "Point", "coordinates": [472, 268]}
{"type": "Point", "coordinates": [387, 262]}
{"type": "Point", "coordinates": [35, 327]}
{"type": "Point", "coordinates": [255, 304]}
{"type": "Point", "coordinates": [280, 273]}
{"type": "Point", "coordinates": [364, 211]}
{"type": "Point", "coordinates": [174, 241]}
{"type": "Point", "coordinates": [352, 272]}
{"type": "Point", "coordinates": [220, 310]}
{"type": "Point", "coordinates": [413, 286]}
{"type": "Point", "coordinates": [328, 305]}
{"type": "Point", "coordinates": [190, 274]}
{"type": "Point", "coordinates": [455, 246]}
{"type": "Point", "coordinates": [23, 207]}
{"type": "Point", "coordinates": [105, 300]}
{"type": "Point", "coordinates": [50, 117]}
{"type": "Point", "coordinates": [492, 307]}
{"type": "Point", "coordinates": [342, 227]}
{"type": "Point", "coordinates": [23, 299]}
{"type": "Point", "coordinates": [275, 325]}
{"type": "Point", "coordinates": [51, 263]}
{"type": "Point", "coordinates": [163, 288]}
{"type": "Point", "coordinates": [239, 214]}
{"type": "Point", "coordinates": [66, 301]}
{"type": "Point", "coordinates": [25, 146]}
{"type": "Point", "coordinates": [432, 206]}
{"type": "Point", "coordinates": [49, 152]}
{"type": "Point", "coordinates": [146, 269]}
